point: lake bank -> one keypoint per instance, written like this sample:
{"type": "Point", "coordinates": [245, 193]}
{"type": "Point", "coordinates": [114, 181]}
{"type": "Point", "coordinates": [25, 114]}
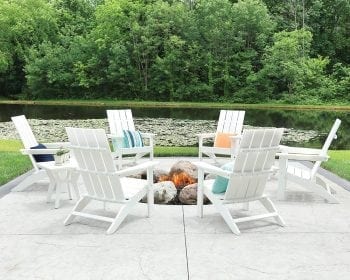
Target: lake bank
{"type": "Point", "coordinates": [154, 104]}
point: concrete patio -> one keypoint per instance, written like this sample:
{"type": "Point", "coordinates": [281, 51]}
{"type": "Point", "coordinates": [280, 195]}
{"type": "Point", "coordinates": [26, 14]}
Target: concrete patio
{"type": "Point", "coordinates": [174, 243]}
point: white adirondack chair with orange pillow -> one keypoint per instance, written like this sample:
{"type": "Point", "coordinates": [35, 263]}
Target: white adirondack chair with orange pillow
{"type": "Point", "coordinates": [226, 138]}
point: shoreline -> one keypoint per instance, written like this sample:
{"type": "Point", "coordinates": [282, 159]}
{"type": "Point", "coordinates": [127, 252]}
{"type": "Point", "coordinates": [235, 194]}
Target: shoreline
{"type": "Point", "coordinates": [156, 104]}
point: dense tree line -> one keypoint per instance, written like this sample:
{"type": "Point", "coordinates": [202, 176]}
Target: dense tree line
{"type": "Point", "coordinates": [191, 50]}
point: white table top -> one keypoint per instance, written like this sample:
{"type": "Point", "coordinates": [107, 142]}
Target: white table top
{"type": "Point", "coordinates": [50, 165]}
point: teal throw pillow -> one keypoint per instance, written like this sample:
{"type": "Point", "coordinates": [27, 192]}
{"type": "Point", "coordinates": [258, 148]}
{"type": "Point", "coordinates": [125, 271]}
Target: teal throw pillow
{"type": "Point", "coordinates": [132, 139]}
{"type": "Point", "coordinates": [220, 183]}
{"type": "Point", "coordinates": [118, 143]}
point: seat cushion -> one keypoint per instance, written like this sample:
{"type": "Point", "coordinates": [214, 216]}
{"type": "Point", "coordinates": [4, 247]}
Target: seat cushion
{"type": "Point", "coordinates": [43, 157]}
{"type": "Point", "coordinates": [220, 183]}
{"type": "Point", "coordinates": [132, 139]}
{"type": "Point", "coordinates": [223, 140]}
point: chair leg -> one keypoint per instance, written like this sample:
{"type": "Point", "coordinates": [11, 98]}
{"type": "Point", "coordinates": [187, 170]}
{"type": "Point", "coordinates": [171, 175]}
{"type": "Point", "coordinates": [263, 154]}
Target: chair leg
{"type": "Point", "coordinates": [150, 192]}
{"type": "Point", "coordinates": [225, 213]}
{"type": "Point", "coordinates": [122, 213]}
{"type": "Point", "coordinates": [50, 191]}
{"type": "Point", "coordinates": [270, 207]}
{"type": "Point", "coordinates": [69, 191]}
{"type": "Point", "coordinates": [120, 163]}
{"type": "Point", "coordinates": [321, 191]}
{"type": "Point", "coordinates": [74, 184]}
{"type": "Point", "coordinates": [81, 204]}
{"type": "Point", "coordinates": [200, 193]}
{"type": "Point", "coordinates": [200, 154]}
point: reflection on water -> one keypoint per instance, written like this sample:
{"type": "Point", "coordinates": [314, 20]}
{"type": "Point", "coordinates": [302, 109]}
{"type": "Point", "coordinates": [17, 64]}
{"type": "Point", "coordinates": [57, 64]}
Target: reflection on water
{"type": "Point", "coordinates": [320, 121]}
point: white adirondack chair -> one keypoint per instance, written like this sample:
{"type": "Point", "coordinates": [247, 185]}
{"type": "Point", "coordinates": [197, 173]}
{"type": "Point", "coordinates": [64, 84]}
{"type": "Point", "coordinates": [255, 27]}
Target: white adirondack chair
{"type": "Point", "coordinates": [302, 175]}
{"type": "Point", "coordinates": [101, 179]}
{"type": "Point", "coordinates": [246, 182]}
{"type": "Point", "coordinates": [229, 122]}
{"type": "Point", "coordinates": [28, 140]}
{"type": "Point", "coordinates": [120, 120]}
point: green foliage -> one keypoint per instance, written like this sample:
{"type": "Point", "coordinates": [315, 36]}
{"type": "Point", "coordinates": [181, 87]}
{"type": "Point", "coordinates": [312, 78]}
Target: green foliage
{"type": "Point", "coordinates": [23, 24]}
{"type": "Point", "coordinates": [203, 50]}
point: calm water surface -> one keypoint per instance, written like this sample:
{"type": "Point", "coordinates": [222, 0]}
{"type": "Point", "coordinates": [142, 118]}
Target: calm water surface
{"type": "Point", "coordinates": [320, 121]}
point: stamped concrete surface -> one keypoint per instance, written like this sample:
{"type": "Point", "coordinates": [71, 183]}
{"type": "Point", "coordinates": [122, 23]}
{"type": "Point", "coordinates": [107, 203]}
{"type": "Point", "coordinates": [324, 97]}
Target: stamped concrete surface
{"type": "Point", "coordinates": [174, 243]}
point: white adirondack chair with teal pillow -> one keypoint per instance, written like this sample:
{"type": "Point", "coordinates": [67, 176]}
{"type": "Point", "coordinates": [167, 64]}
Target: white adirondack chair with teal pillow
{"type": "Point", "coordinates": [125, 139]}
{"type": "Point", "coordinates": [305, 176]}
{"type": "Point", "coordinates": [245, 180]}
{"type": "Point", "coordinates": [37, 152]}
{"type": "Point", "coordinates": [226, 138]}
{"type": "Point", "coordinates": [101, 179]}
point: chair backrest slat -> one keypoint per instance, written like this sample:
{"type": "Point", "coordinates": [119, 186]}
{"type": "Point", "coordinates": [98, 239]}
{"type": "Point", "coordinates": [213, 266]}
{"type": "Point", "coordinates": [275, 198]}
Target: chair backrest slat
{"type": "Point", "coordinates": [332, 135]}
{"type": "Point", "coordinates": [120, 120]}
{"type": "Point", "coordinates": [24, 131]}
{"type": "Point", "coordinates": [253, 163]}
{"type": "Point", "coordinates": [91, 150]}
{"type": "Point", "coordinates": [230, 121]}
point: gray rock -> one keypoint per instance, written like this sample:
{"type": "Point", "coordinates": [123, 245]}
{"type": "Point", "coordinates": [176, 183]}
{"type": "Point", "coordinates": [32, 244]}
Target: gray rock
{"type": "Point", "coordinates": [188, 195]}
{"type": "Point", "coordinates": [158, 175]}
{"type": "Point", "coordinates": [183, 173]}
{"type": "Point", "coordinates": [164, 192]}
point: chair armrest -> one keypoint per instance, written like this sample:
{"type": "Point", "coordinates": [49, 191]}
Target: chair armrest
{"type": "Point", "coordinates": [137, 168]}
{"type": "Point", "coordinates": [57, 145]}
{"type": "Point", "coordinates": [236, 137]}
{"type": "Point", "coordinates": [302, 157]}
{"type": "Point", "coordinates": [147, 135]}
{"type": "Point", "coordinates": [39, 151]}
{"type": "Point", "coordinates": [299, 150]}
{"type": "Point", "coordinates": [110, 136]}
{"type": "Point", "coordinates": [206, 135]}
{"type": "Point", "coordinates": [212, 169]}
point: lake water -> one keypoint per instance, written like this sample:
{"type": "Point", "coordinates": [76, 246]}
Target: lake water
{"type": "Point", "coordinates": [319, 121]}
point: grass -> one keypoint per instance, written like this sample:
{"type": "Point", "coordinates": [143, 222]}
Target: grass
{"type": "Point", "coordinates": [154, 104]}
{"type": "Point", "coordinates": [13, 163]}
{"type": "Point", "coordinates": [175, 151]}
{"type": "Point", "coordinates": [339, 163]}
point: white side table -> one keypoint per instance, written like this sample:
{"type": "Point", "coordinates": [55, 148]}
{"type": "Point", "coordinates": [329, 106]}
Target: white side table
{"type": "Point", "coordinates": [60, 175]}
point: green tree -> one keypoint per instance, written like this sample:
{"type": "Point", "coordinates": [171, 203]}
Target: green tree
{"type": "Point", "coordinates": [288, 70]}
{"type": "Point", "coordinates": [23, 24]}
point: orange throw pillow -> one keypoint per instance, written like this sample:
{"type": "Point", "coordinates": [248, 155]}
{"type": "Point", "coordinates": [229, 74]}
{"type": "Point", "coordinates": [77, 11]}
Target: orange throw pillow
{"type": "Point", "coordinates": [223, 140]}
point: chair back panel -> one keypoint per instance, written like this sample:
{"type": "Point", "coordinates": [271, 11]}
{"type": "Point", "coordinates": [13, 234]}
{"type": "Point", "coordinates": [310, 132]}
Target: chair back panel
{"type": "Point", "coordinates": [231, 121]}
{"type": "Point", "coordinates": [332, 135]}
{"type": "Point", "coordinates": [120, 120]}
{"type": "Point", "coordinates": [253, 163]}
{"type": "Point", "coordinates": [95, 163]}
{"type": "Point", "coordinates": [24, 131]}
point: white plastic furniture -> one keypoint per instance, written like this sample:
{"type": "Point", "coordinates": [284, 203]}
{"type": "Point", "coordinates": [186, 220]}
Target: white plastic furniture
{"type": "Point", "coordinates": [59, 176]}
{"type": "Point", "coordinates": [301, 174]}
{"type": "Point", "coordinates": [229, 122]}
{"type": "Point", "coordinates": [247, 180]}
{"type": "Point", "coordinates": [101, 179]}
{"type": "Point", "coordinates": [120, 120]}
{"type": "Point", "coordinates": [28, 140]}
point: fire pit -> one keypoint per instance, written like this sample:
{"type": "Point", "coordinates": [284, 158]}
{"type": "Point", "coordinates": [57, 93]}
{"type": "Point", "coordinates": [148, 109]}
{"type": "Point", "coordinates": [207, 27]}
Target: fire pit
{"type": "Point", "coordinates": [178, 186]}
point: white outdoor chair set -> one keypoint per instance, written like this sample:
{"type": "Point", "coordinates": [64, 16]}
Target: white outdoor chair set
{"type": "Point", "coordinates": [253, 157]}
